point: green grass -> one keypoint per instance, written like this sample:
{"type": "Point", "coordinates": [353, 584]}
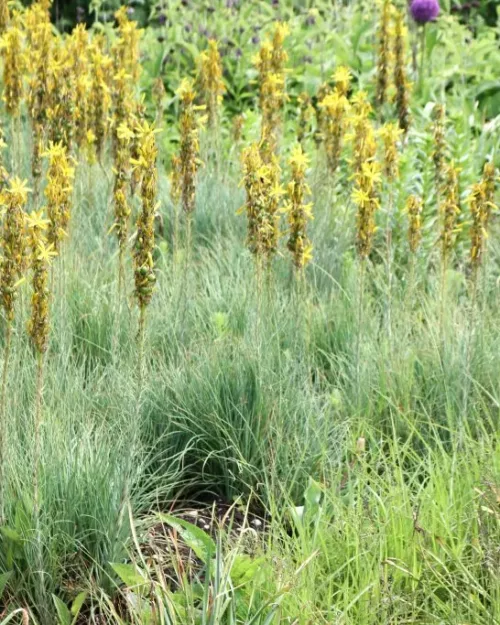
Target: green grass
{"type": "Point", "coordinates": [238, 405]}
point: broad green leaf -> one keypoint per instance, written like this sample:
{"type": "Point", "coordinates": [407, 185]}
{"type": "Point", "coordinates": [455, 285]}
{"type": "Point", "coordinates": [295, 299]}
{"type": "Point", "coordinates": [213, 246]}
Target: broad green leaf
{"type": "Point", "coordinates": [129, 574]}
{"type": "Point", "coordinates": [77, 604]}
{"type": "Point", "coordinates": [4, 579]}
{"type": "Point", "coordinates": [63, 613]}
{"type": "Point", "coordinates": [195, 538]}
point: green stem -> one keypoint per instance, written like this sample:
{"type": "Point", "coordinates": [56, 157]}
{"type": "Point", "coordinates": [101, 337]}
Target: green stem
{"type": "Point", "coordinates": [422, 59]}
{"type": "Point", "coordinates": [38, 422]}
{"type": "Point", "coordinates": [140, 350]}
{"type": "Point", "coordinates": [361, 287]}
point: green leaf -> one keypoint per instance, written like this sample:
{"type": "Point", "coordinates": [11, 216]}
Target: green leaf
{"type": "Point", "coordinates": [245, 569]}
{"type": "Point", "coordinates": [63, 613]}
{"type": "Point", "coordinates": [195, 538]}
{"type": "Point", "coordinates": [313, 494]}
{"type": "Point", "coordinates": [129, 574]}
{"type": "Point", "coordinates": [77, 604]}
{"type": "Point", "coordinates": [10, 534]}
{"type": "Point", "coordinates": [4, 579]}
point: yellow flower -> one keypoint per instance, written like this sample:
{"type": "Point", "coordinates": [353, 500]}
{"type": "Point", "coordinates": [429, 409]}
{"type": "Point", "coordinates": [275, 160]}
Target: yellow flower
{"type": "Point", "coordinates": [46, 252]}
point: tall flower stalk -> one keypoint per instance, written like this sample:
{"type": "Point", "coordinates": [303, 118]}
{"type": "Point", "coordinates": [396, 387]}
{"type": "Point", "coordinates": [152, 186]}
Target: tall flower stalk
{"type": "Point", "coordinates": [122, 210]}
{"type": "Point", "coordinates": [439, 146]}
{"type": "Point", "coordinates": [189, 156]}
{"type": "Point", "coordinates": [14, 60]}
{"type": "Point", "coordinates": [12, 263]}
{"type": "Point", "coordinates": [58, 192]}
{"type": "Point", "coordinates": [450, 210]}
{"type": "Point", "coordinates": [390, 135]}
{"type": "Point", "coordinates": [400, 73]}
{"type": "Point", "coordinates": [144, 274]}
{"type": "Point", "coordinates": [298, 210]}
{"type": "Point", "coordinates": [42, 254]}
{"type": "Point", "coordinates": [384, 53]}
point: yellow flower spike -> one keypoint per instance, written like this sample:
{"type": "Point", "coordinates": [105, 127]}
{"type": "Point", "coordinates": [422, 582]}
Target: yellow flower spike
{"type": "Point", "coordinates": [272, 92]}
{"type": "Point", "coordinates": [342, 77]}
{"type": "Point", "coordinates": [15, 198]}
{"type": "Point", "coordinates": [210, 79]}
{"type": "Point", "coordinates": [489, 175]}
{"type": "Point", "coordinates": [414, 210]}
{"type": "Point", "coordinates": [384, 52]}
{"type": "Point", "coordinates": [11, 47]}
{"type": "Point", "coordinates": [391, 135]}
{"type": "Point", "coordinates": [299, 212]}
{"type": "Point", "coordinates": [58, 192]}
{"type": "Point", "coordinates": [145, 240]}
{"type": "Point", "coordinates": [450, 210]}
{"type": "Point", "coordinates": [400, 72]}
{"type": "Point", "coordinates": [335, 107]}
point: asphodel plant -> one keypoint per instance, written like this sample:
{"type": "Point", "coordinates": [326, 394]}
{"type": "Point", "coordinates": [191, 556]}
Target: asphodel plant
{"type": "Point", "coordinates": [450, 209]}
{"type": "Point", "coordinates": [400, 72]}
{"type": "Point", "coordinates": [42, 254]}
{"type": "Point", "coordinates": [263, 194]}
{"type": "Point", "coordinates": [144, 274]}
{"type": "Point", "coordinates": [189, 155]}
{"type": "Point", "coordinates": [271, 63]}
{"type": "Point", "coordinates": [298, 210]}
{"type": "Point", "coordinates": [439, 146]}
{"type": "Point", "coordinates": [414, 210]}
{"type": "Point", "coordinates": [100, 95]}
{"type": "Point", "coordinates": [40, 50]}
{"type": "Point", "coordinates": [384, 52]}
{"type": "Point", "coordinates": [211, 85]}
{"type": "Point", "coordinates": [14, 200]}
{"type": "Point", "coordinates": [126, 53]}
{"type": "Point", "coordinates": [124, 137]}
{"type": "Point", "coordinates": [14, 65]}
{"type": "Point", "coordinates": [4, 15]}
{"type": "Point", "coordinates": [58, 192]}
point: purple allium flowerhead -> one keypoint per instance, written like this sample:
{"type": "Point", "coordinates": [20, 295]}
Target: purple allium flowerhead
{"type": "Point", "coordinates": [424, 11]}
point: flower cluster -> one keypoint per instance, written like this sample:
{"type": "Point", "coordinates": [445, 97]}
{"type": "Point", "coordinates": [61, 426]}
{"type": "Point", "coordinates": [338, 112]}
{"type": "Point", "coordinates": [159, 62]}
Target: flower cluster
{"type": "Point", "coordinates": [58, 192]}
{"type": "Point", "coordinates": [414, 210]}
{"type": "Point", "coordinates": [298, 210]}
{"type": "Point", "coordinates": [145, 241]}
{"type": "Point", "coordinates": [14, 198]}
{"type": "Point", "coordinates": [42, 254]}
{"type": "Point", "coordinates": [211, 84]}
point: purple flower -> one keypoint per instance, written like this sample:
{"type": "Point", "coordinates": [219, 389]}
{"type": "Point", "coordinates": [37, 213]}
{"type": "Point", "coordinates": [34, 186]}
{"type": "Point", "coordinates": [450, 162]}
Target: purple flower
{"type": "Point", "coordinates": [80, 14]}
{"type": "Point", "coordinates": [162, 19]}
{"type": "Point", "coordinates": [424, 11]}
